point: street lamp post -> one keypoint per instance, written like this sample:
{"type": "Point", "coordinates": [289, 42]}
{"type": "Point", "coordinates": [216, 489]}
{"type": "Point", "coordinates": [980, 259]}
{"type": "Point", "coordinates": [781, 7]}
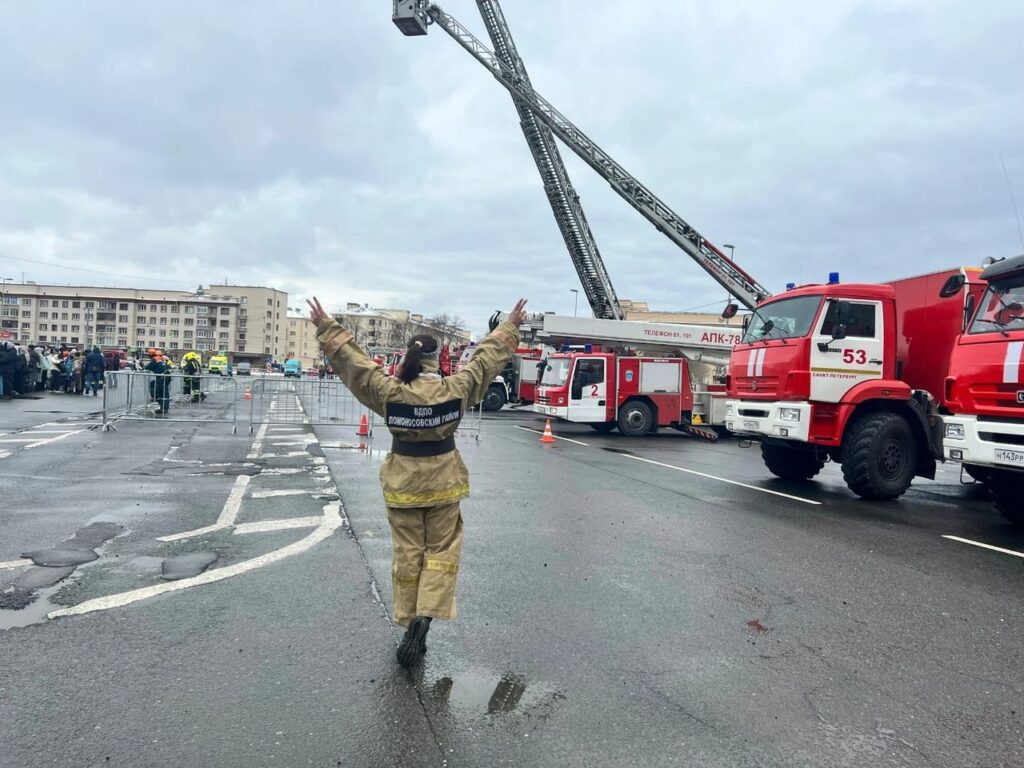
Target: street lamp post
{"type": "Point", "coordinates": [732, 249]}
{"type": "Point", "coordinates": [576, 300]}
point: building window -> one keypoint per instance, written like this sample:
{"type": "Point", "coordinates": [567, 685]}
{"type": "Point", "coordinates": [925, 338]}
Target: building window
{"type": "Point", "coordinates": [140, 332]}
{"type": "Point", "coordinates": [75, 328]}
{"type": "Point", "coordinates": [266, 350]}
{"type": "Point", "coordinates": [44, 302]}
{"type": "Point", "coordinates": [163, 307]}
{"type": "Point", "coordinates": [174, 334]}
{"type": "Point", "coordinates": [223, 336]}
{"type": "Point", "coordinates": [224, 323]}
{"type": "Point", "coordinates": [64, 303]}
{"type": "Point", "coordinates": [122, 318]}
{"type": "Point", "coordinates": [26, 314]}
{"type": "Point", "coordinates": [74, 339]}
{"type": "Point", "coordinates": [241, 347]}
{"type": "Point", "coordinates": [44, 315]}
{"type": "Point", "coordinates": [123, 307]}
{"type": "Point", "coordinates": [175, 310]}
{"type": "Point", "coordinates": [190, 321]}
{"type": "Point", "coordinates": [225, 310]}
{"type": "Point", "coordinates": [187, 334]}
{"type": "Point", "coordinates": [202, 310]}
{"type": "Point", "coordinates": [42, 338]}
{"type": "Point", "coordinates": [241, 337]}
{"type": "Point", "coordinates": [53, 327]}
{"type": "Point", "coordinates": [141, 307]}
{"type": "Point", "coordinates": [190, 310]}
{"type": "Point", "coordinates": [76, 316]}
{"type": "Point", "coordinates": [202, 321]}
{"type": "Point", "coordinates": [163, 332]}
{"type": "Point", "coordinates": [76, 305]}
{"type": "Point", "coordinates": [27, 302]}
{"type": "Point", "coordinates": [64, 329]}
{"type": "Point", "coordinates": [270, 302]}
{"type": "Point", "coordinates": [123, 331]}
{"type": "Point", "coordinates": [175, 321]}
{"type": "Point", "coordinates": [163, 321]}
{"type": "Point", "coordinates": [122, 341]}
{"type": "Point", "coordinates": [63, 315]}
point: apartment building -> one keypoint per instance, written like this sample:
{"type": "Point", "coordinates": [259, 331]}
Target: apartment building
{"type": "Point", "coordinates": [382, 330]}
{"type": "Point", "coordinates": [219, 318]}
{"type": "Point", "coordinates": [302, 341]}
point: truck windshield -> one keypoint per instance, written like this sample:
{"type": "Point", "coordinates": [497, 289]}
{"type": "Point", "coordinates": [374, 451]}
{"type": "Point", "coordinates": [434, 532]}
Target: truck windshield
{"type": "Point", "coordinates": [1002, 307]}
{"type": "Point", "coordinates": [556, 373]}
{"type": "Point", "coordinates": [786, 319]}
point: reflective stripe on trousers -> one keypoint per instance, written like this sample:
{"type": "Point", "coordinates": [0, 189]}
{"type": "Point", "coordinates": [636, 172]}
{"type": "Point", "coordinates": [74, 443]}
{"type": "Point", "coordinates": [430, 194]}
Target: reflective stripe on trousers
{"type": "Point", "coordinates": [427, 545]}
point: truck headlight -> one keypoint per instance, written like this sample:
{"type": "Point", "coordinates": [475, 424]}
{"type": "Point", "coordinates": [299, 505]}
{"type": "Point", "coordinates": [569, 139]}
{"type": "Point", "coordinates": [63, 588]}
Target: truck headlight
{"type": "Point", "coordinates": [955, 431]}
{"type": "Point", "coordinates": [789, 414]}
{"type": "Point", "coordinates": [729, 408]}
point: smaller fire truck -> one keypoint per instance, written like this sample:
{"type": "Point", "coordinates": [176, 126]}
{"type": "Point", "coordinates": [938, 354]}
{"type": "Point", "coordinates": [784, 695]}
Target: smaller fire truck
{"type": "Point", "coordinates": [984, 390]}
{"type": "Point", "coordinates": [516, 384]}
{"type": "Point", "coordinates": [623, 380]}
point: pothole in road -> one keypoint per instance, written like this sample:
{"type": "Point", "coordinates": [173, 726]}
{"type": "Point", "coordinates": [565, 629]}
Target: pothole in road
{"type": "Point", "coordinates": [187, 566]}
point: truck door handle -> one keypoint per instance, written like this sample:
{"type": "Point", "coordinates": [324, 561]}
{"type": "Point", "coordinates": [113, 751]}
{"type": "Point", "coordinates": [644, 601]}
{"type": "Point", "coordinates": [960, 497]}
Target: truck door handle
{"type": "Point", "coordinates": [875, 362]}
{"type": "Point", "coordinates": [600, 402]}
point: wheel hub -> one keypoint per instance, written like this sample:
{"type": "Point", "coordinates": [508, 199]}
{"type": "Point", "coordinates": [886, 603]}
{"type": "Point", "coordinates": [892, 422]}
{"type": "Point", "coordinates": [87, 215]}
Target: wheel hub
{"type": "Point", "coordinates": [892, 459]}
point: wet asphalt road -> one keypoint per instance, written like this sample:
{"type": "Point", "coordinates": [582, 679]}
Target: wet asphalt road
{"type": "Point", "coordinates": [614, 610]}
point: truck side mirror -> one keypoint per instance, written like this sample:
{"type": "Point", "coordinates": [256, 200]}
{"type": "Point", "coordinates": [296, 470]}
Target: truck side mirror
{"type": "Point", "coordinates": [730, 311]}
{"type": "Point", "coordinates": [952, 286]}
{"type": "Point", "coordinates": [842, 318]}
{"type": "Point", "coordinates": [968, 311]}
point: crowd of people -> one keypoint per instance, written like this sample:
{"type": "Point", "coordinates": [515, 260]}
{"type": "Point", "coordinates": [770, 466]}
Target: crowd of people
{"type": "Point", "coordinates": [26, 370]}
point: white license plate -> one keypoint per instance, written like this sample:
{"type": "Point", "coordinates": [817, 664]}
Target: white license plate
{"type": "Point", "coordinates": [749, 424]}
{"type": "Point", "coordinates": [1010, 457]}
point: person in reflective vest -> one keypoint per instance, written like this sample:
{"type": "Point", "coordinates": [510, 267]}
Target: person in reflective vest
{"type": "Point", "coordinates": [423, 477]}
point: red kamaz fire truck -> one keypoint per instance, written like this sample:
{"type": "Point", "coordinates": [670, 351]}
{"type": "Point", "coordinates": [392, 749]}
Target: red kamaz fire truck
{"type": "Point", "coordinates": [984, 390]}
{"type": "Point", "coordinates": [853, 373]}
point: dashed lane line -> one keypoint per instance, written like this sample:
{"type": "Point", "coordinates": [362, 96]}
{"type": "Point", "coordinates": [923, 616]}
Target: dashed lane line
{"type": "Point", "coordinates": [10, 565]}
{"type": "Point", "coordinates": [275, 494]}
{"type": "Point", "coordinates": [49, 440]}
{"type": "Point", "coordinates": [329, 523]}
{"type": "Point", "coordinates": [227, 514]}
{"type": "Point", "coordinates": [723, 480]}
{"type": "Point", "coordinates": [692, 472]}
{"type": "Point", "coordinates": [277, 525]}
{"type": "Point", "coordinates": [985, 546]}
{"type": "Point", "coordinates": [540, 432]}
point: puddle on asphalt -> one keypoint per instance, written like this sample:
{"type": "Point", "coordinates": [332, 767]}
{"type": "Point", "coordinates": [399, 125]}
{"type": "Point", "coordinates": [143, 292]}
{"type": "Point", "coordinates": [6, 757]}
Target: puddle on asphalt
{"type": "Point", "coordinates": [186, 566]}
{"type": "Point", "coordinates": [26, 601]}
{"type": "Point", "coordinates": [476, 693]}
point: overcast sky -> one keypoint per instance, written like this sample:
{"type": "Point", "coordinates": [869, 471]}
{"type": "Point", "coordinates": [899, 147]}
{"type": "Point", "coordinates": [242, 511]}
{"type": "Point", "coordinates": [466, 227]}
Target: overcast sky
{"type": "Point", "coordinates": [308, 145]}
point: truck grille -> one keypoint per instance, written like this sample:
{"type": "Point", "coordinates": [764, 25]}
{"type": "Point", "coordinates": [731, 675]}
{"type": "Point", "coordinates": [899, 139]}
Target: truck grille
{"type": "Point", "coordinates": [996, 396]}
{"type": "Point", "coordinates": [760, 386]}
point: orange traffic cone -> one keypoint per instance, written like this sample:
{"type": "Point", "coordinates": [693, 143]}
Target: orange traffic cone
{"type": "Point", "coordinates": [248, 394]}
{"type": "Point", "coordinates": [364, 427]}
{"type": "Point", "coordinates": [547, 437]}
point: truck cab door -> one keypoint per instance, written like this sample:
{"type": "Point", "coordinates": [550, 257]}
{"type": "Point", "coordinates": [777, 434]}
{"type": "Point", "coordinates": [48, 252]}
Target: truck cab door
{"type": "Point", "coordinates": [846, 348]}
{"type": "Point", "coordinates": [588, 389]}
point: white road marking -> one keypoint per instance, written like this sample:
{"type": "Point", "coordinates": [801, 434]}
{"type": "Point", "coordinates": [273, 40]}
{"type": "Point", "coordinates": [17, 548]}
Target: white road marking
{"type": "Point", "coordinates": [227, 514]}
{"type": "Point", "coordinates": [273, 494]}
{"type": "Point", "coordinates": [286, 455]}
{"type": "Point", "coordinates": [257, 443]}
{"type": "Point", "coordinates": [277, 525]}
{"type": "Point", "coordinates": [18, 439]}
{"type": "Point", "coordinates": [541, 432]}
{"type": "Point", "coordinates": [329, 522]}
{"type": "Point", "coordinates": [49, 440]}
{"type": "Point", "coordinates": [985, 546]}
{"type": "Point", "coordinates": [721, 479]}
{"type": "Point", "coordinates": [4, 454]}
{"type": "Point", "coordinates": [12, 564]}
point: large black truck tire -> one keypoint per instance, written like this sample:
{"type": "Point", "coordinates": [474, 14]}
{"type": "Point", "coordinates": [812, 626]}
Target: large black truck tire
{"type": "Point", "coordinates": [635, 418]}
{"type": "Point", "coordinates": [494, 399]}
{"type": "Point", "coordinates": [791, 463]}
{"type": "Point", "coordinates": [879, 456]}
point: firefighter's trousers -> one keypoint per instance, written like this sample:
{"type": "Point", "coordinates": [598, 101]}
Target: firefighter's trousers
{"type": "Point", "coordinates": [427, 545]}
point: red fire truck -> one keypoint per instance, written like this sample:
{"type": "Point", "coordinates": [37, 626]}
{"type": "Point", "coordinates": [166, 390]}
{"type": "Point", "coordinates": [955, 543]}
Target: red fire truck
{"type": "Point", "coordinates": [853, 373]}
{"type": "Point", "coordinates": [984, 390]}
{"type": "Point", "coordinates": [619, 380]}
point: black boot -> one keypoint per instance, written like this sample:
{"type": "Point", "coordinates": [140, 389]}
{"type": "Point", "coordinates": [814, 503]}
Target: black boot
{"type": "Point", "coordinates": [414, 644]}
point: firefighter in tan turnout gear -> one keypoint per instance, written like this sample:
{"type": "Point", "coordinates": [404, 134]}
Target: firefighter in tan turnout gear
{"type": "Point", "coordinates": [423, 477]}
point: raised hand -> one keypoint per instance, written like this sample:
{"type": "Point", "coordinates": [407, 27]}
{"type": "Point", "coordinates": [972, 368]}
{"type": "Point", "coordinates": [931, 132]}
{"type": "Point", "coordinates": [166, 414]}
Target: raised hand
{"type": "Point", "coordinates": [316, 312]}
{"type": "Point", "coordinates": [518, 313]}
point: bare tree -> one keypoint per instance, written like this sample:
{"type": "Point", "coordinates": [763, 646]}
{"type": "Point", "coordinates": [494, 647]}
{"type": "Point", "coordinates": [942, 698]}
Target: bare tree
{"type": "Point", "coordinates": [449, 327]}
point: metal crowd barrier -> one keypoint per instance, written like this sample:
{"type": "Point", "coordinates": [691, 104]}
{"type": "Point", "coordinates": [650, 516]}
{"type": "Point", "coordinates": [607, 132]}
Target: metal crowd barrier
{"type": "Point", "coordinates": [273, 400]}
{"type": "Point", "coordinates": [141, 395]}
{"type": "Point", "coordinates": [280, 400]}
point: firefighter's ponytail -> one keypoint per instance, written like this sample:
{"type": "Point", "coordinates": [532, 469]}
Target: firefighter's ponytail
{"type": "Point", "coordinates": [412, 364]}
